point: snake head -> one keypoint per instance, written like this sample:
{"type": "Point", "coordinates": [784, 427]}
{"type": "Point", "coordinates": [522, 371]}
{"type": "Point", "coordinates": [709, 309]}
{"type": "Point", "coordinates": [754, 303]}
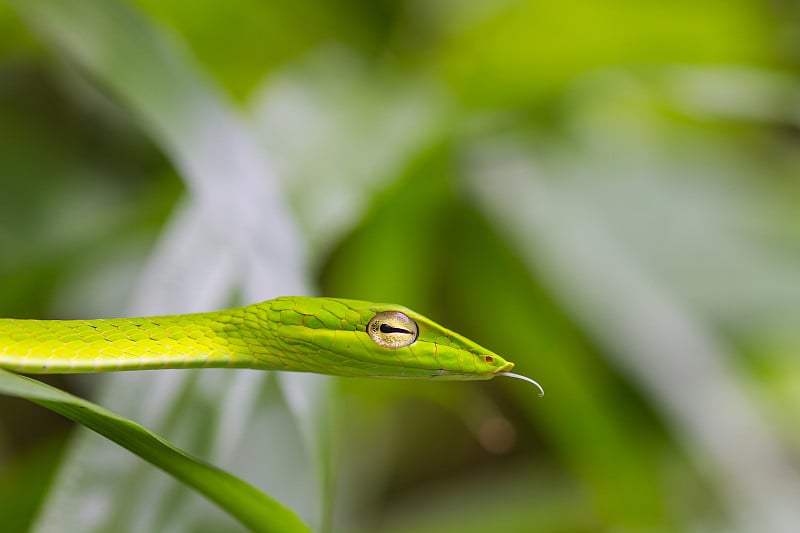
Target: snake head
{"type": "Point", "coordinates": [380, 340]}
{"type": "Point", "coordinates": [359, 338]}
{"type": "Point", "coordinates": [401, 334]}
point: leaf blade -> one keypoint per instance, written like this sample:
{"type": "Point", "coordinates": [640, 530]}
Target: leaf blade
{"type": "Point", "coordinates": [254, 509]}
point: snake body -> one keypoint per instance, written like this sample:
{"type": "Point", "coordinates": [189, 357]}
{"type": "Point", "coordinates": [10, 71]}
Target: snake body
{"type": "Point", "coordinates": [295, 333]}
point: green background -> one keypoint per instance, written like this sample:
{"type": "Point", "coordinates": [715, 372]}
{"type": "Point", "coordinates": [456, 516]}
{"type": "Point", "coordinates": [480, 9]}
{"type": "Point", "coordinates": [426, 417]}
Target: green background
{"type": "Point", "coordinates": [605, 193]}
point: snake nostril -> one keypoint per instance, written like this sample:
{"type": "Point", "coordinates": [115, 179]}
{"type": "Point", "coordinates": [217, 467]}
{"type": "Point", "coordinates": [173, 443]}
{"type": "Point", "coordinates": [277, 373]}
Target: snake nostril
{"type": "Point", "coordinates": [489, 359]}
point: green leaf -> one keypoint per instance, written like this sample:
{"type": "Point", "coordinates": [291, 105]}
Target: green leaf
{"type": "Point", "coordinates": [254, 509]}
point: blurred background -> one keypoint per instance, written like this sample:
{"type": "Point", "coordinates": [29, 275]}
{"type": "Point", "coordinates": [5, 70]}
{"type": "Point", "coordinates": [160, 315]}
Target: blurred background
{"type": "Point", "coordinates": [605, 193]}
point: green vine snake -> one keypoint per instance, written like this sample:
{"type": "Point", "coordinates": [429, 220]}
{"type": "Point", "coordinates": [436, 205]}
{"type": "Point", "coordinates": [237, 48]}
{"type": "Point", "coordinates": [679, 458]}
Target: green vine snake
{"type": "Point", "coordinates": [295, 333]}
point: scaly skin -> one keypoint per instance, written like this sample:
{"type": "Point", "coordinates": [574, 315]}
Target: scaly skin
{"type": "Point", "coordinates": [302, 334]}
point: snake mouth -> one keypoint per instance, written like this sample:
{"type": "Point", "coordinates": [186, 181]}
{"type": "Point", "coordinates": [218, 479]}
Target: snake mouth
{"type": "Point", "coordinates": [443, 374]}
{"type": "Point", "coordinates": [505, 368]}
{"type": "Point", "coordinates": [448, 374]}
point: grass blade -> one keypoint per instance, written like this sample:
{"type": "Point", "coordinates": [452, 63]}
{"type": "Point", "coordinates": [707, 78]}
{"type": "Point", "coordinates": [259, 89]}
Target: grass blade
{"type": "Point", "coordinates": [253, 508]}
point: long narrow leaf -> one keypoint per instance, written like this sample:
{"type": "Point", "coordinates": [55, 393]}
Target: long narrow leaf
{"type": "Point", "coordinates": [251, 507]}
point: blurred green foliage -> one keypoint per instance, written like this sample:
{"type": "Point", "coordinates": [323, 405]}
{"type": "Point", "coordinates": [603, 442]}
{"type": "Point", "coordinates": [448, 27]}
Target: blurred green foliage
{"type": "Point", "coordinates": [670, 127]}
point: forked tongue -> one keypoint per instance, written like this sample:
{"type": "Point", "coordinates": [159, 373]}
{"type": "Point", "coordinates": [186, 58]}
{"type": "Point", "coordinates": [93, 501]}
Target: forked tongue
{"type": "Point", "coordinates": [523, 378]}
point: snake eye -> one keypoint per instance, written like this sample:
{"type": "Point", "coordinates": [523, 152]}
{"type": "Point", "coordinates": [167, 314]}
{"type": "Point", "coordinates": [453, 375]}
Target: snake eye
{"type": "Point", "coordinates": [392, 329]}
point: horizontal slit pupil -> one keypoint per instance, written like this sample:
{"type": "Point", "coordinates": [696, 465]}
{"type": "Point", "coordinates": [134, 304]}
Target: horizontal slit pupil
{"type": "Point", "coordinates": [386, 328]}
